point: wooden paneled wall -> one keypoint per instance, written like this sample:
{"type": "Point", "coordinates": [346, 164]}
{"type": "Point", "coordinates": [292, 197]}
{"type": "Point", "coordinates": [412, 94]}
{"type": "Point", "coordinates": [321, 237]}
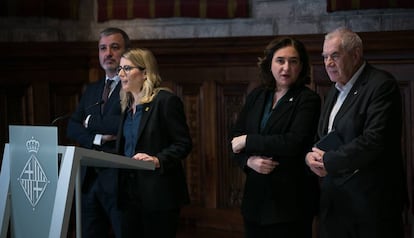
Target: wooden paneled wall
{"type": "Point", "coordinates": [42, 81]}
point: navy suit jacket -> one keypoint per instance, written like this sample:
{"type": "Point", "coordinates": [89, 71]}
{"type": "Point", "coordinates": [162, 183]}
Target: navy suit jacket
{"type": "Point", "coordinates": [289, 133]}
{"type": "Point", "coordinates": [105, 124]}
{"type": "Point", "coordinates": [163, 132]}
{"type": "Point", "coordinates": [365, 178]}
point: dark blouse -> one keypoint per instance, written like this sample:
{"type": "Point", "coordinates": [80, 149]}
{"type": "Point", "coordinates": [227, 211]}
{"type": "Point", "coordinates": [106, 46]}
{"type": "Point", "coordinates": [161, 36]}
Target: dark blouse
{"type": "Point", "coordinates": [131, 126]}
{"type": "Point", "coordinates": [268, 110]}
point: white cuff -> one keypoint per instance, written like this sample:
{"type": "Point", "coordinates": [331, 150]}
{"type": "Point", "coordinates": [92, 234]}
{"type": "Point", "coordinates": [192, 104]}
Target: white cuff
{"type": "Point", "coordinates": [98, 139]}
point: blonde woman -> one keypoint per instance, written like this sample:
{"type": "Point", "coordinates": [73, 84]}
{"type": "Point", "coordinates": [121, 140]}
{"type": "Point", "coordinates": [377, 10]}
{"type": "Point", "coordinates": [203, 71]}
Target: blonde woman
{"type": "Point", "coordinates": [153, 128]}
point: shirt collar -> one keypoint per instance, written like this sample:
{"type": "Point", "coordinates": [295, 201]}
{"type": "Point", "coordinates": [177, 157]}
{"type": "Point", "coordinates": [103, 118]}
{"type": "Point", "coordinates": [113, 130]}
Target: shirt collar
{"type": "Point", "coordinates": [347, 87]}
{"type": "Point", "coordinates": [115, 79]}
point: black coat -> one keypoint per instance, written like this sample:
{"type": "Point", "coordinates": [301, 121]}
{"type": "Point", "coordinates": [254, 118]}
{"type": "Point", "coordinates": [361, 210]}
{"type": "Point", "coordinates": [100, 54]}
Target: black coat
{"type": "Point", "coordinates": [163, 132]}
{"type": "Point", "coordinates": [365, 178]}
{"type": "Point", "coordinates": [289, 193]}
{"type": "Point", "coordinates": [105, 123]}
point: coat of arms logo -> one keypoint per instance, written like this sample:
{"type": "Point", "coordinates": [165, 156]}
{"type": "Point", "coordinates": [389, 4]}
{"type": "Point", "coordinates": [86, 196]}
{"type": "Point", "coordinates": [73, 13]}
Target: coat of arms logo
{"type": "Point", "coordinates": [33, 179]}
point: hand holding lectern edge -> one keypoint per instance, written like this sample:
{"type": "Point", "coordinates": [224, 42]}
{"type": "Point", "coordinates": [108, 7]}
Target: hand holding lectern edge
{"type": "Point", "coordinates": [104, 159]}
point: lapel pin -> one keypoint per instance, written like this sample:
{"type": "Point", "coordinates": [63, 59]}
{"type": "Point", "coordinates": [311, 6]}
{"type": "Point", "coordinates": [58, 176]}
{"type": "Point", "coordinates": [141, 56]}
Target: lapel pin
{"type": "Point", "coordinates": [147, 109]}
{"type": "Point", "coordinates": [356, 92]}
{"type": "Point", "coordinates": [290, 99]}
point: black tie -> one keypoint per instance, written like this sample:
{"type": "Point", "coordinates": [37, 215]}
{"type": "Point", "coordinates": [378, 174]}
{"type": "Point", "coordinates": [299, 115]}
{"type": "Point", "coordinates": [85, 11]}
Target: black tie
{"type": "Point", "coordinates": [105, 93]}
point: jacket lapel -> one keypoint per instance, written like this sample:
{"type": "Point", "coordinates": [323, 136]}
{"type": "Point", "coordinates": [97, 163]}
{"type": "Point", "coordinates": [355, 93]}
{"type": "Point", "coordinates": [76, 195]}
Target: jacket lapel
{"type": "Point", "coordinates": [285, 104]}
{"type": "Point", "coordinates": [146, 112]}
{"type": "Point", "coordinates": [329, 103]}
{"type": "Point", "coordinates": [352, 95]}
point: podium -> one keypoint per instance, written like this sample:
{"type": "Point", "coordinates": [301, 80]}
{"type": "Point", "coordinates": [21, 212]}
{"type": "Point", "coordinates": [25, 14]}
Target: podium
{"type": "Point", "coordinates": [68, 179]}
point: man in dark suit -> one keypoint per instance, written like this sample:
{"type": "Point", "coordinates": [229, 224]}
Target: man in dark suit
{"type": "Point", "coordinates": [94, 125]}
{"type": "Point", "coordinates": [362, 186]}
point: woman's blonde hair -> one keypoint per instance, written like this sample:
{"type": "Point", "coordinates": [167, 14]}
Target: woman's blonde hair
{"type": "Point", "coordinates": [144, 59]}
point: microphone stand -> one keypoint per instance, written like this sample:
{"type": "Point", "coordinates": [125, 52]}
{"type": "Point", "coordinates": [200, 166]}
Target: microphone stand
{"type": "Point", "coordinates": [66, 116]}
{"type": "Point", "coordinates": [59, 118]}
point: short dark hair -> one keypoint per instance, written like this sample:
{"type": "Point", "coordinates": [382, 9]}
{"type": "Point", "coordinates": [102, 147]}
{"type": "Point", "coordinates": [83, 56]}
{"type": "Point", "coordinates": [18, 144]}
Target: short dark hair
{"type": "Point", "coordinates": [265, 62]}
{"type": "Point", "coordinates": [113, 30]}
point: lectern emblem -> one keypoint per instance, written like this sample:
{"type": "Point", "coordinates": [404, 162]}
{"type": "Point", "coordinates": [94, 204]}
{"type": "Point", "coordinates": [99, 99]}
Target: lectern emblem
{"type": "Point", "coordinates": [33, 179]}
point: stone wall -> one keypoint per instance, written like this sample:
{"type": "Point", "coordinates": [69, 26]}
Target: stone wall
{"type": "Point", "coordinates": [268, 17]}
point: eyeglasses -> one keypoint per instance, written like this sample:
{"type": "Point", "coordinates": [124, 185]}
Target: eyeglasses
{"type": "Point", "coordinates": [127, 69]}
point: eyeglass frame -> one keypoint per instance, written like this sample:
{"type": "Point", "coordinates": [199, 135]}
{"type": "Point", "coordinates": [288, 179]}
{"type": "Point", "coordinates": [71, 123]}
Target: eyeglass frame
{"type": "Point", "coordinates": [128, 68]}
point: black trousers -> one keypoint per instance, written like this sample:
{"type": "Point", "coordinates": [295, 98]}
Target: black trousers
{"type": "Point", "coordinates": [140, 223]}
{"type": "Point", "coordinates": [344, 227]}
{"type": "Point", "coordinates": [294, 229]}
{"type": "Point", "coordinates": [100, 213]}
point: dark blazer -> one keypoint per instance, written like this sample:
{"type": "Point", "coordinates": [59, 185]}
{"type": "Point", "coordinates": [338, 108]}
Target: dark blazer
{"type": "Point", "coordinates": [163, 132]}
{"type": "Point", "coordinates": [365, 175]}
{"type": "Point", "coordinates": [105, 124]}
{"type": "Point", "coordinates": [287, 136]}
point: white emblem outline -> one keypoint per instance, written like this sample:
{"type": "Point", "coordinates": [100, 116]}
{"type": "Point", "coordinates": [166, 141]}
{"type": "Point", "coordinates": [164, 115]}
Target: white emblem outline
{"type": "Point", "coordinates": [33, 180]}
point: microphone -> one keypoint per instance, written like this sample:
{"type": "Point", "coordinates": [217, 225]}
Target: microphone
{"type": "Point", "coordinates": [63, 117]}
{"type": "Point", "coordinates": [95, 104]}
{"type": "Point", "coordinates": [66, 116]}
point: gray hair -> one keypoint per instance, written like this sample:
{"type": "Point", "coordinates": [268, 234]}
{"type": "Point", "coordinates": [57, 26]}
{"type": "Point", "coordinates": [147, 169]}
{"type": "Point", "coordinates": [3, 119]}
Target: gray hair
{"type": "Point", "coordinates": [349, 39]}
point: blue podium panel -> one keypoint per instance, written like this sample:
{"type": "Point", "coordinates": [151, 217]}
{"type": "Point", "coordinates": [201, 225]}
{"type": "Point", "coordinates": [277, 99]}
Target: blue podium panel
{"type": "Point", "coordinates": [5, 193]}
{"type": "Point", "coordinates": [32, 196]}
{"type": "Point", "coordinates": [33, 179]}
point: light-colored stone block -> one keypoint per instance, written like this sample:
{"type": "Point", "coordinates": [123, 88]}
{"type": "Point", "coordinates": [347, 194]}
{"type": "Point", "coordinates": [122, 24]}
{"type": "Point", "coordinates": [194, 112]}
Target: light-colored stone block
{"type": "Point", "coordinates": [268, 17]}
{"type": "Point", "coordinates": [252, 28]}
{"type": "Point", "coordinates": [364, 22]}
{"type": "Point", "coordinates": [274, 9]}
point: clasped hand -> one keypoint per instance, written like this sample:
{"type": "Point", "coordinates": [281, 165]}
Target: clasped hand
{"type": "Point", "coordinates": [262, 164]}
{"type": "Point", "coordinates": [314, 160]}
{"type": "Point", "coordinates": [106, 138]}
{"type": "Point", "coordinates": [238, 143]}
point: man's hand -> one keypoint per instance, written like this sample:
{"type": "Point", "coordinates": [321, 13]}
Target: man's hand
{"type": "Point", "coordinates": [106, 138]}
{"type": "Point", "coordinates": [314, 160]}
{"type": "Point", "coordinates": [238, 143]}
{"type": "Point", "coordinates": [261, 164]}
